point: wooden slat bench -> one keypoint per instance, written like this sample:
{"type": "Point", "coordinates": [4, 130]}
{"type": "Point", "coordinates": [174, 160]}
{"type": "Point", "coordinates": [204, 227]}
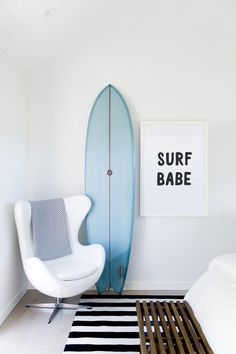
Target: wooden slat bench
{"type": "Point", "coordinates": [170, 327]}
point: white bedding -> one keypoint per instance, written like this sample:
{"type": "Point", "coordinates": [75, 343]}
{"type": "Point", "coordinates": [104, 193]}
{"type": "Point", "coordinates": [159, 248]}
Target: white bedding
{"type": "Point", "coordinates": [213, 300]}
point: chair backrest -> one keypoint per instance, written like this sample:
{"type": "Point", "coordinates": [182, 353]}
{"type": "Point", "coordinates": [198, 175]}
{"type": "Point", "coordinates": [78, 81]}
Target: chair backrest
{"type": "Point", "coordinates": [76, 207]}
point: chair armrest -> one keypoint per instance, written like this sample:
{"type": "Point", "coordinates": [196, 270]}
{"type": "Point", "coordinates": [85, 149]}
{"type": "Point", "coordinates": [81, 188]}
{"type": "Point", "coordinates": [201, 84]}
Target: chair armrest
{"type": "Point", "coordinates": [40, 276]}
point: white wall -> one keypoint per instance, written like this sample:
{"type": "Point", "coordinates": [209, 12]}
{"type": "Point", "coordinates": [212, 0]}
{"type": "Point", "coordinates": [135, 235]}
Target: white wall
{"type": "Point", "coordinates": [12, 181]}
{"type": "Point", "coordinates": [170, 60]}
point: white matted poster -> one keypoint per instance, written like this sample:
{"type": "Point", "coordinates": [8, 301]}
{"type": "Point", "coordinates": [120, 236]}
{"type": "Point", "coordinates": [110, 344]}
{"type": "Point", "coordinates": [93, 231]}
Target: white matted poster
{"type": "Point", "coordinates": [173, 168]}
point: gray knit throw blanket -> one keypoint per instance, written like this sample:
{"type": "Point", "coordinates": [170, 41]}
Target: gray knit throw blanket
{"type": "Point", "coordinates": [50, 230]}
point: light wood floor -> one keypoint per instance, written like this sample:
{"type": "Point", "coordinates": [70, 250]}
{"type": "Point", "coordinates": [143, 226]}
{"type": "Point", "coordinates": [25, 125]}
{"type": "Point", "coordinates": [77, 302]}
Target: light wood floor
{"type": "Point", "coordinates": [26, 331]}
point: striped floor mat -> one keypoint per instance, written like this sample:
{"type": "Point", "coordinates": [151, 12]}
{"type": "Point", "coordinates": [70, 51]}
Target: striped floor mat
{"type": "Point", "coordinates": [110, 327]}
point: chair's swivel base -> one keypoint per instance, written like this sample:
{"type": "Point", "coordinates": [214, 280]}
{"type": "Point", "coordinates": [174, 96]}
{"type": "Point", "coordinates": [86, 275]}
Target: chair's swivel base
{"type": "Point", "coordinates": [58, 305]}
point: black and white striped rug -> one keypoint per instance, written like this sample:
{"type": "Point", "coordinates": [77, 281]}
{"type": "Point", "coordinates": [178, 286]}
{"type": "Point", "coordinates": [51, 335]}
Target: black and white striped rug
{"type": "Point", "coordinates": [110, 327]}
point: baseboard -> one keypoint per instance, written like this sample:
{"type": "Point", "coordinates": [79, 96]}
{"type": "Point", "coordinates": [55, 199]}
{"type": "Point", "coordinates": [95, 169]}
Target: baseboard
{"type": "Point", "coordinates": [133, 285]}
{"type": "Point", "coordinates": [8, 309]}
{"type": "Point", "coordinates": [139, 285]}
{"type": "Point", "coordinates": [157, 286]}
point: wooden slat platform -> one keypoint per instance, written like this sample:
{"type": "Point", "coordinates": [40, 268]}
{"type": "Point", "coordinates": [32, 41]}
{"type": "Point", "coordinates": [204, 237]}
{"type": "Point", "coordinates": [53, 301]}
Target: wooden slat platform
{"type": "Point", "coordinates": [170, 328]}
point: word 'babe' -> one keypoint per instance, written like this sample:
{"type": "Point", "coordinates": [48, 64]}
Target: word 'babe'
{"type": "Point", "coordinates": [174, 178]}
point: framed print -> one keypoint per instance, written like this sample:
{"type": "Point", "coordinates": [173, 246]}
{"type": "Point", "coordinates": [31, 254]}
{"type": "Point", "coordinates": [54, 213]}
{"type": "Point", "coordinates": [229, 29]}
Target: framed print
{"type": "Point", "coordinates": [173, 168]}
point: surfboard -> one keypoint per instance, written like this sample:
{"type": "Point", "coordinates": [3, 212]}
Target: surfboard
{"type": "Point", "coordinates": [110, 183]}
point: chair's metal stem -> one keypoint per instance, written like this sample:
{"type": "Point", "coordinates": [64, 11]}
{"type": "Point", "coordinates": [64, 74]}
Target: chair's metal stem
{"type": "Point", "coordinates": [58, 305]}
{"type": "Point", "coordinates": [56, 308]}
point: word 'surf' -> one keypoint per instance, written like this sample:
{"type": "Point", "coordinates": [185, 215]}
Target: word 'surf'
{"type": "Point", "coordinates": [174, 178]}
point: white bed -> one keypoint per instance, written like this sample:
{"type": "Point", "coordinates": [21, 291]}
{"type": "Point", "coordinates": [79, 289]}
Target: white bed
{"type": "Point", "coordinates": [213, 300]}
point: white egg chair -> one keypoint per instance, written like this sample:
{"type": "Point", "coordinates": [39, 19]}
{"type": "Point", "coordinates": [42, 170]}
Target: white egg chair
{"type": "Point", "coordinates": [65, 276]}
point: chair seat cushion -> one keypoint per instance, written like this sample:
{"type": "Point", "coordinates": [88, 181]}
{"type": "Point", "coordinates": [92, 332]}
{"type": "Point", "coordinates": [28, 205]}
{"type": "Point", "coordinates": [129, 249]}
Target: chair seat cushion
{"type": "Point", "coordinates": [69, 270]}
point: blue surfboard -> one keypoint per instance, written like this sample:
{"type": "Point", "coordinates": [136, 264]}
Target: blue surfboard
{"type": "Point", "coordinates": [110, 183]}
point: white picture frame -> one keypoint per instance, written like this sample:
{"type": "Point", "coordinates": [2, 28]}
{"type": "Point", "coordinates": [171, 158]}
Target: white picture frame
{"type": "Point", "coordinates": [173, 168]}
